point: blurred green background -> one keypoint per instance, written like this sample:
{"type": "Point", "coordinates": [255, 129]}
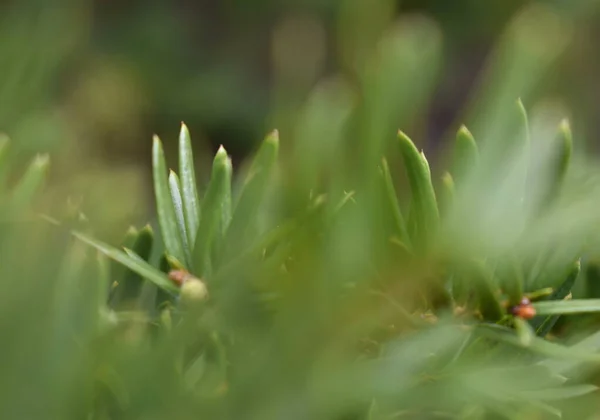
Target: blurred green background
{"type": "Point", "coordinates": [91, 81]}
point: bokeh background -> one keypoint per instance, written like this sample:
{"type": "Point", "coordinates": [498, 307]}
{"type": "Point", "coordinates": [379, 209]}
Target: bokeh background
{"type": "Point", "coordinates": [90, 81]}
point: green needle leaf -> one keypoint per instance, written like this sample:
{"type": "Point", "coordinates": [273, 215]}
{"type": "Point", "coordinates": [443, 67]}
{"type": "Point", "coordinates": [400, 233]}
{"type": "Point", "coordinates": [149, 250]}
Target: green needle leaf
{"type": "Point", "coordinates": [465, 156]}
{"type": "Point", "coordinates": [135, 264]}
{"type": "Point", "coordinates": [214, 210]}
{"type": "Point", "coordinates": [560, 163]}
{"type": "Point", "coordinates": [563, 307]}
{"type": "Point", "coordinates": [189, 189]}
{"type": "Point", "coordinates": [392, 200]}
{"type": "Point", "coordinates": [425, 213]}
{"type": "Point", "coordinates": [167, 217]}
{"type": "Point", "coordinates": [174, 188]}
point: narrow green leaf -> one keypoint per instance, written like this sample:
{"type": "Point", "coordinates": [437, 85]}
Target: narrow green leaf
{"type": "Point", "coordinates": [252, 193]}
{"type": "Point", "coordinates": [465, 155]}
{"type": "Point", "coordinates": [393, 202]}
{"type": "Point", "coordinates": [419, 176]}
{"type": "Point", "coordinates": [135, 264]}
{"type": "Point", "coordinates": [28, 186]}
{"type": "Point", "coordinates": [213, 211]}
{"type": "Point", "coordinates": [166, 211]}
{"type": "Point", "coordinates": [189, 189]}
{"type": "Point", "coordinates": [561, 160]}
{"type": "Point", "coordinates": [566, 138]}
{"type": "Point", "coordinates": [562, 307]}
{"type": "Point", "coordinates": [174, 188]}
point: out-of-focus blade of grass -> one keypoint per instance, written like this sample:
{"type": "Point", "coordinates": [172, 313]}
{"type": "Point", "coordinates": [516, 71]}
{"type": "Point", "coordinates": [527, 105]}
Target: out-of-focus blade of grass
{"type": "Point", "coordinates": [214, 210]}
{"type": "Point", "coordinates": [135, 264]}
{"type": "Point", "coordinates": [446, 194]}
{"type": "Point", "coordinates": [250, 197]}
{"type": "Point", "coordinates": [491, 219]}
{"type": "Point", "coordinates": [23, 193]}
{"type": "Point", "coordinates": [395, 86]}
{"type": "Point", "coordinates": [533, 41]}
{"type": "Point", "coordinates": [167, 217]}
{"type": "Point", "coordinates": [403, 360]}
{"type": "Point", "coordinates": [574, 367]}
{"type": "Point", "coordinates": [493, 205]}
{"type": "Point", "coordinates": [465, 156]}
{"type": "Point", "coordinates": [189, 189]}
{"type": "Point", "coordinates": [359, 27]}
{"type": "Point", "coordinates": [318, 157]}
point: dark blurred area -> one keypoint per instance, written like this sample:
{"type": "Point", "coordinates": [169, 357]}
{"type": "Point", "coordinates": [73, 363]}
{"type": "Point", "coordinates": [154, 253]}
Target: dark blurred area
{"type": "Point", "coordinates": [91, 81]}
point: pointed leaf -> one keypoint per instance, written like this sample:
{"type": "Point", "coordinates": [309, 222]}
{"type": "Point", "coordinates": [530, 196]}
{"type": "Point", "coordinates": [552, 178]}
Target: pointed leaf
{"type": "Point", "coordinates": [465, 155]}
{"type": "Point", "coordinates": [164, 205]}
{"type": "Point", "coordinates": [562, 307]}
{"type": "Point", "coordinates": [135, 264]}
{"type": "Point", "coordinates": [174, 188]}
{"type": "Point", "coordinates": [214, 209]}
{"type": "Point", "coordinates": [419, 176]}
{"type": "Point", "coordinates": [189, 189]}
{"type": "Point", "coordinates": [393, 202]}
